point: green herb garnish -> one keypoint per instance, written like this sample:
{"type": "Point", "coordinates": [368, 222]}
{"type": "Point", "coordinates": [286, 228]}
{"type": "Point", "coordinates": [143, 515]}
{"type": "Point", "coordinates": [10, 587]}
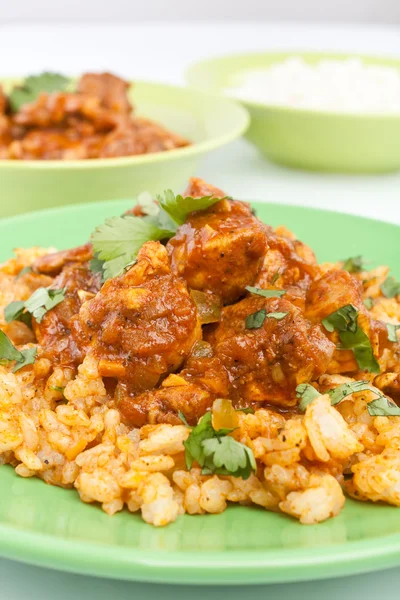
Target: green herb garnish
{"type": "Point", "coordinates": [38, 304]}
{"type": "Point", "coordinates": [306, 393]}
{"type": "Point", "coordinates": [381, 406]}
{"type": "Point", "coordinates": [23, 272]}
{"type": "Point", "coordinates": [368, 303]}
{"type": "Point", "coordinates": [354, 264]}
{"type": "Point", "coordinates": [246, 410]}
{"type": "Point", "coordinates": [265, 293]}
{"type": "Point", "coordinates": [275, 277]}
{"type": "Point", "coordinates": [33, 86]}
{"type": "Point", "coordinates": [118, 241]}
{"type": "Point", "coordinates": [352, 337]}
{"type": "Point", "coordinates": [256, 320]}
{"type": "Point", "coordinates": [390, 288]}
{"type": "Point", "coordinates": [217, 452]}
{"type": "Point", "coordinates": [9, 353]}
{"type": "Point", "coordinates": [392, 332]}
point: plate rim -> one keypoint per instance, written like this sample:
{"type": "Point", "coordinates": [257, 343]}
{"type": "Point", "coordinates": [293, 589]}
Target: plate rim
{"type": "Point", "coordinates": [239, 567]}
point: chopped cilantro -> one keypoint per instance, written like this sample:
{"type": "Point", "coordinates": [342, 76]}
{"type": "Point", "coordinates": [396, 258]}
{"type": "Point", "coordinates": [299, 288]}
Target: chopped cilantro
{"type": "Point", "coordinates": [354, 264]}
{"type": "Point", "coordinates": [178, 207]}
{"type": "Point", "coordinates": [392, 332]}
{"type": "Point", "coordinates": [381, 406]}
{"type": "Point", "coordinates": [265, 293]}
{"type": "Point", "coordinates": [246, 410]}
{"type": "Point", "coordinates": [352, 337]}
{"type": "Point", "coordinates": [9, 353]}
{"type": "Point", "coordinates": [390, 288]}
{"type": "Point", "coordinates": [256, 320]}
{"type": "Point", "coordinates": [275, 277]}
{"type": "Point", "coordinates": [368, 303]}
{"type": "Point", "coordinates": [23, 272]}
{"type": "Point", "coordinates": [306, 393]}
{"type": "Point", "coordinates": [15, 311]}
{"type": "Point", "coordinates": [33, 86]}
{"type": "Point", "coordinates": [216, 452]}
{"type": "Point", "coordinates": [38, 304]}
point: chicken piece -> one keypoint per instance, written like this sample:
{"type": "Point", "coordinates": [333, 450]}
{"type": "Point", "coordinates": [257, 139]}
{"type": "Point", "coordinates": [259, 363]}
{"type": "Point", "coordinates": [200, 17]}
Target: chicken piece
{"type": "Point", "coordinates": [54, 109]}
{"type": "Point", "coordinates": [110, 90]}
{"type": "Point", "coordinates": [142, 324]}
{"type": "Point", "coordinates": [198, 188]}
{"type": "Point", "coordinates": [52, 264]}
{"type": "Point", "coordinates": [332, 291]}
{"type": "Point", "coordinates": [192, 392]}
{"type": "Point", "coordinates": [265, 364]}
{"type": "Point", "coordinates": [288, 264]}
{"type": "Point", "coordinates": [219, 249]}
{"type": "Point", "coordinates": [55, 333]}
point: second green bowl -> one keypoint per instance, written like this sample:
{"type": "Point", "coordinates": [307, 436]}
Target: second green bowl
{"type": "Point", "coordinates": [307, 139]}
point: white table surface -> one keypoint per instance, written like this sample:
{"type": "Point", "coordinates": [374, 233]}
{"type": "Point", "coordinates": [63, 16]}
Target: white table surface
{"type": "Point", "coordinates": [162, 52]}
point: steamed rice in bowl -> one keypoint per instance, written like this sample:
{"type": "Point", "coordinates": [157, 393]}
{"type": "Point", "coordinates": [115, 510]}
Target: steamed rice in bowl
{"type": "Point", "coordinates": [67, 423]}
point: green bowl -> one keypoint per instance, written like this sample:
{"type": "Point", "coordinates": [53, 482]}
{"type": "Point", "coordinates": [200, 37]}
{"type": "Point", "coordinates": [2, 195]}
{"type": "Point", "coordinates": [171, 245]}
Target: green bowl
{"type": "Point", "coordinates": [208, 121]}
{"type": "Point", "coordinates": [308, 139]}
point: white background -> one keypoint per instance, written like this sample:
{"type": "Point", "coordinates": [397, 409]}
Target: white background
{"type": "Point", "coordinates": [369, 11]}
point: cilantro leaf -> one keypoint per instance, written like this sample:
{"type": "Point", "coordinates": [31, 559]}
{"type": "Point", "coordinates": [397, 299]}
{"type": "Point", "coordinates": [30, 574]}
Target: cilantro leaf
{"type": "Point", "coordinates": [43, 300]}
{"type": "Point", "coordinates": [306, 393]}
{"type": "Point", "coordinates": [178, 207]}
{"type": "Point", "coordinates": [8, 353]}
{"type": "Point", "coordinates": [344, 319]}
{"type": "Point", "coordinates": [368, 303]}
{"type": "Point", "coordinates": [118, 241]}
{"type": "Point", "coordinates": [352, 337]}
{"type": "Point", "coordinates": [344, 390]}
{"type": "Point", "coordinates": [15, 311]}
{"type": "Point", "coordinates": [392, 332]}
{"type": "Point", "coordinates": [275, 277]}
{"type": "Point", "coordinates": [28, 358]}
{"type": "Point", "coordinates": [183, 418]}
{"type": "Point", "coordinates": [265, 293]}
{"type": "Point", "coordinates": [228, 458]}
{"type": "Point", "coordinates": [383, 407]}
{"type": "Point", "coordinates": [256, 320]}
{"type": "Point", "coordinates": [390, 288]}
{"type": "Point", "coordinates": [354, 264]}
{"type": "Point", "coordinates": [23, 272]}
{"type": "Point", "coordinates": [96, 265]}
{"type": "Point", "coordinates": [33, 86]}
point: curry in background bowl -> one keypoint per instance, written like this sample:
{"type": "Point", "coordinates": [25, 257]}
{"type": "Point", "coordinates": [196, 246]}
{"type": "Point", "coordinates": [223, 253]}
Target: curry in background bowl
{"type": "Point", "coordinates": [102, 138]}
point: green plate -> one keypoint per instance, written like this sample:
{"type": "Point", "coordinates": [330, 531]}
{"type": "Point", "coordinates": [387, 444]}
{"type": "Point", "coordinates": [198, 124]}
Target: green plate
{"type": "Point", "coordinates": [307, 139]}
{"type": "Point", "coordinates": [208, 121]}
{"type": "Point", "coordinates": [49, 526]}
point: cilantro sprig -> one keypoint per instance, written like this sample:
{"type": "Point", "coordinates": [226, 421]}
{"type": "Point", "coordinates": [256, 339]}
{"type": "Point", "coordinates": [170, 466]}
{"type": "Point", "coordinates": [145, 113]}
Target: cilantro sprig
{"type": "Point", "coordinates": [33, 86]}
{"type": "Point", "coordinates": [392, 332]}
{"type": "Point", "coordinates": [116, 242]}
{"type": "Point", "coordinates": [352, 337]}
{"type": "Point", "coordinates": [38, 304]}
{"type": "Point", "coordinates": [9, 353]}
{"type": "Point", "coordinates": [216, 452]}
{"type": "Point", "coordinates": [381, 406]}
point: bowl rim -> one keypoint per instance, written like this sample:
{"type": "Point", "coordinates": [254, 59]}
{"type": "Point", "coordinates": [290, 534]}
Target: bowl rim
{"type": "Point", "coordinates": [197, 148]}
{"type": "Point", "coordinates": [191, 77]}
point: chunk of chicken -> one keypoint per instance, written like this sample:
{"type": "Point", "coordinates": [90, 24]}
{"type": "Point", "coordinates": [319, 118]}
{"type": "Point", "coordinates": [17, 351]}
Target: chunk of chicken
{"type": "Point", "coordinates": [288, 264]}
{"type": "Point", "coordinates": [219, 249]}
{"type": "Point", "coordinates": [142, 324]}
{"type": "Point", "coordinates": [266, 364]}
{"type": "Point", "coordinates": [192, 392]}
{"type": "Point", "coordinates": [110, 90]}
{"type": "Point", "coordinates": [55, 333]}
{"type": "Point", "coordinates": [332, 291]}
{"type": "Point", "coordinates": [52, 264]}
